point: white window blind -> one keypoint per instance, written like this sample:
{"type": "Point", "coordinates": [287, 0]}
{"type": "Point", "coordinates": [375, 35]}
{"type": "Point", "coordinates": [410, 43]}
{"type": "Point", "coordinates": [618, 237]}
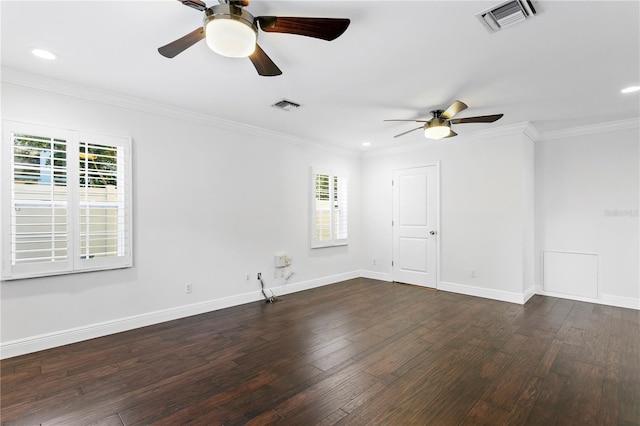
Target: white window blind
{"type": "Point", "coordinates": [66, 203]}
{"type": "Point", "coordinates": [329, 212]}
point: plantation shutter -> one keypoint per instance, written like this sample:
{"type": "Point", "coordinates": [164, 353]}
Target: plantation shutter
{"type": "Point", "coordinates": [340, 209]}
{"type": "Point", "coordinates": [66, 203]}
{"type": "Point", "coordinates": [103, 222]}
{"type": "Point", "coordinates": [329, 217]}
{"type": "Point", "coordinates": [38, 212]}
{"type": "Point", "coordinates": [322, 209]}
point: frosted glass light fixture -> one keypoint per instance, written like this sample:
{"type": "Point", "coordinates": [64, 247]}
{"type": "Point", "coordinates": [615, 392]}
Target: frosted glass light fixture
{"type": "Point", "coordinates": [437, 129]}
{"type": "Point", "coordinates": [230, 37]}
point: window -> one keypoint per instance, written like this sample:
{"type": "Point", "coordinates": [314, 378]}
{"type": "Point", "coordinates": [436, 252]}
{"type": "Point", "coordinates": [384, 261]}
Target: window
{"type": "Point", "coordinates": [66, 204]}
{"type": "Point", "coordinates": [329, 214]}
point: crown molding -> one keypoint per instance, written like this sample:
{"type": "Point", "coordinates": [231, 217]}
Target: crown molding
{"type": "Point", "coordinates": [611, 126]}
{"type": "Point", "coordinates": [524, 128]}
{"type": "Point", "coordinates": [34, 81]}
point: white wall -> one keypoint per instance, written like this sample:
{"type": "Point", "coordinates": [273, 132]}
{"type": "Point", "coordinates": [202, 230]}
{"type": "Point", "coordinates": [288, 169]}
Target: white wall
{"type": "Point", "coordinates": [211, 204]}
{"type": "Point", "coordinates": [587, 198]}
{"type": "Point", "coordinates": [239, 195]}
{"type": "Point", "coordinates": [485, 190]}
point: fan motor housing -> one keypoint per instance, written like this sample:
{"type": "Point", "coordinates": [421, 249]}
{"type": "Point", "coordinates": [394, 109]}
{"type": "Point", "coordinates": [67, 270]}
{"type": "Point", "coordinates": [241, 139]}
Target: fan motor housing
{"type": "Point", "coordinates": [230, 11]}
{"type": "Point", "coordinates": [437, 122]}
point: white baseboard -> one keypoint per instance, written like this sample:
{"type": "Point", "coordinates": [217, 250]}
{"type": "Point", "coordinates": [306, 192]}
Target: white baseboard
{"type": "Point", "coordinates": [381, 276]}
{"type": "Point", "coordinates": [64, 337]}
{"type": "Point", "coordinates": [529, 293]}
{"type": "Point", "coordinates": [487, 293]}
{"type": "Point", "coordinates": [318, 282]}
{"type": "Point", "coordinates": [73, 335]}
{"type": "Point", "coordinates": [603, 299]}
{"type": "Point", "coordinates": [542, 292]}
{"type": "Point", "coordinates": [620, 302]}
{"type": "Point", "coordinates": [50, 340]}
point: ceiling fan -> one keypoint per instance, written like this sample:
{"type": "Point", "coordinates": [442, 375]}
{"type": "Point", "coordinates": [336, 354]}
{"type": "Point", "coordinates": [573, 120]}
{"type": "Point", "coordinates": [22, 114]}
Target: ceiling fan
{"type": "Point", "coordinates": [232, 31]}
{"type": "Point", "coordinates": [439, 125]}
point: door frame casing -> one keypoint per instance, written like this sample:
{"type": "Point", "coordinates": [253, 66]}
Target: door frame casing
{"type": "Point", "coordinates": [437, 197]}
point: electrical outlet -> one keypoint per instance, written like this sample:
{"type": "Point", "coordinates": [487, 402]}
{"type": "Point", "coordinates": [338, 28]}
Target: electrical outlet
{"type": "Point", "coordinates": [473, 273]}
{"type": "Point", "coordinates": [247, 277]}
{"type": "Point", "coordinates": [188, 288]}
{"type": "Point", "coordinates": [374, 262]}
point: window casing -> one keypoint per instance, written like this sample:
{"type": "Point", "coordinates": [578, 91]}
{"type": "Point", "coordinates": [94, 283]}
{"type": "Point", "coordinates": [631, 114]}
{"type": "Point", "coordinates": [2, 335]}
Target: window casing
{"type": "Point", "coordinates": [66, 201]}
{"type": "Point", "coordinates": [329, 209]}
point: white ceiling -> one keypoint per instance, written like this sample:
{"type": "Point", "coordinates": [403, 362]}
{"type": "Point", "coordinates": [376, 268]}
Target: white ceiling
{"type": "Point", "coordinates": [563, 68]}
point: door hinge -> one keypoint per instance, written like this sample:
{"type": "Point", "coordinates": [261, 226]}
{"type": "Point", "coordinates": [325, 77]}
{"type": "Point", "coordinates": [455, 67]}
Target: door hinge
{"type": "Point", "coordinates": [392, 263]}
{"type": "Point", "coordinates": [392, 223]}
{"type": "Point", "coordinates": [392, 183]}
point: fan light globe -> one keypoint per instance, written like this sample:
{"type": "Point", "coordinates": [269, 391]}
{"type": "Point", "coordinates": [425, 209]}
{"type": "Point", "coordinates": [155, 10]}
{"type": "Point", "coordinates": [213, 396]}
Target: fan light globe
{"type": "Point", "coordinates": [437, 132]}
{"type": "Point", "coordinates": [230, 37]}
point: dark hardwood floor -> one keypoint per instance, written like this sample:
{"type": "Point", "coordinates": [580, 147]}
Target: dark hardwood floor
{"type": "Point", "coordinates": [357, 352]}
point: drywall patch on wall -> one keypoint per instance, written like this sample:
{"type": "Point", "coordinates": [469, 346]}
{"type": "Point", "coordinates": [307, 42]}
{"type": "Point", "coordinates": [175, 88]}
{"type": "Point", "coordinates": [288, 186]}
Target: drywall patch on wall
{"type": "Point", "coordinates": [573, 274]}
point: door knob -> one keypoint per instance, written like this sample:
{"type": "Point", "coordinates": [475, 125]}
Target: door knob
{"type": "Point", "coordinates": [432, 232]}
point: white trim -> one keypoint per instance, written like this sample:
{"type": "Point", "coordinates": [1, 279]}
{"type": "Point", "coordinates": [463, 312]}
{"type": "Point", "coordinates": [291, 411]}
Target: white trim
{"type": "Point", "coordinates": [621, 302]}
{"type": "Point", "coordinates": [21, 78]}
{"type": "Point", "coordinates": [438, 228]}
{"type": "Point", "coordinates": [604, 299]}
{"type": "Point", "coordinates": [59, 338]}
{"type": "Point", "coordinates": [318, 282]}
{"type": "Point", "coordinates": [610, 126]}
{"type": "Point", "coordinates": [375, 275]}
{"type": "Point", "coordinates": [525, 128]}
{"type": "Point", "coordinates": [529, 293]}
{"type": "Point", "coordinates": [513, 129]}
{"type": "Point", "coordinates": [487, 293]}
{"type": "Point", "coordinates": [73, 335]}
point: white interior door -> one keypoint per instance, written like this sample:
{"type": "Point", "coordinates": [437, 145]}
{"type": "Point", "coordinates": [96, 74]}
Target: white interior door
{"type": "Point", "coordinates": [415, 206]}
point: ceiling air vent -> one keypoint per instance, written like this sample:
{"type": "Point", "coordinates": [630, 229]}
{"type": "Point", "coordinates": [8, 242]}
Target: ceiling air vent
{"type": "Point", "coordinates": [506, 14]}
{"type": "Point", "coordinates": [286, 105]}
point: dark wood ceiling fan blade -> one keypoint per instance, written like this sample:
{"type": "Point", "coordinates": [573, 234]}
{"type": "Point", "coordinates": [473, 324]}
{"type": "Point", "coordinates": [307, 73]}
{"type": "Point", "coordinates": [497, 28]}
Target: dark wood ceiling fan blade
{"type": "Point", "coordinates": [180, 45]}
{"type": "Point", "coordinates": [478, 119]}
{"type": "Point", "coordinates": [322, 28]}
{"type": "Point", "coordinates": [453, 109]}
{"type": "Point", "coordinates": [196, 4]}
{"type": "Point", "coordinates": [408, 131]}
{"type": "Point", "coordinates": [413, 121]}
{"type": "Point", "coordinates": [264, 65]}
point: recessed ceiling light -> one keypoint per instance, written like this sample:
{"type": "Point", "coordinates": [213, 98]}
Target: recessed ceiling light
{"type": "Point", "coordinates": [366, 143]}
{"type": "Point", "coordinates": [43, 54]}
{"type": "Point", "coordinates": [630, 89]}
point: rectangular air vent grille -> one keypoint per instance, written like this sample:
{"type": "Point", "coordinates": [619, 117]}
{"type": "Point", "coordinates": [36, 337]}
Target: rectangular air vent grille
{"type": "Point", "coordinates": [286, 105]}
{"type": "Point", "coordinates": [506, 14]}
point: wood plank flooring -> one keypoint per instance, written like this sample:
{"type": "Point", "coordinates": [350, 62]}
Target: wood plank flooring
{"type": "Point", "coordinates": [358, 352]}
